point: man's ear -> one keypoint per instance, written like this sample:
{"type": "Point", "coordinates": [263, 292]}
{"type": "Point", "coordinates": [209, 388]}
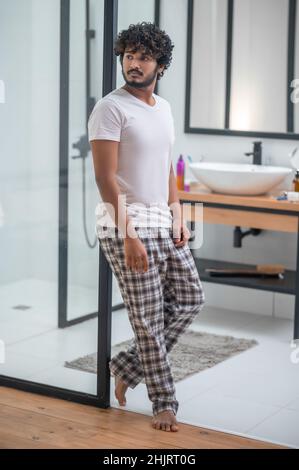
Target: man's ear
{"type": "Point", "coordinates": [161, 69]}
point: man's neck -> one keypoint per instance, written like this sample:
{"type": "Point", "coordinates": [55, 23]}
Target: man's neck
{"type": "Point", "coordinates": [145, 95]}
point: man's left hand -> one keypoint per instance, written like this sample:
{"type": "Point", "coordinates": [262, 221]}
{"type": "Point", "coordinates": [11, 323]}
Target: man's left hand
{"type": "Point", "coordinates": [182, 229]}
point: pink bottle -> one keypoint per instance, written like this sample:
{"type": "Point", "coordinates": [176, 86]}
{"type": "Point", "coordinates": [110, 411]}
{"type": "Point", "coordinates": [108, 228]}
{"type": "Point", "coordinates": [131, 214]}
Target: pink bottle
{"type": "Point", "coordinates": [180, 173]}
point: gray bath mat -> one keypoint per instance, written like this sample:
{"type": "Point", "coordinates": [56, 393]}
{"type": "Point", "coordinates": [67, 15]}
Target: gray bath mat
{"type": "Point", "coordinates": [194, 352]}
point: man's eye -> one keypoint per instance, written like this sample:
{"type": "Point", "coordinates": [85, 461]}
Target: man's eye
{"type": "Point", "coordinates": [144, 58]}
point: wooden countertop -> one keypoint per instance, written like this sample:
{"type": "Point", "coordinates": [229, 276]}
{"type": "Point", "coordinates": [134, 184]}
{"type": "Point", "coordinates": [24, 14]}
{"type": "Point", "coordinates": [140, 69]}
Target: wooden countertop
{"type": "Point", "coordinates": [200, 193]}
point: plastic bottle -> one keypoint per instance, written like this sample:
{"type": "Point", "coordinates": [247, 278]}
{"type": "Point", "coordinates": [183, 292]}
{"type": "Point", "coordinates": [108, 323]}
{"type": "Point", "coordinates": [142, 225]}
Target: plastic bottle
{"type": "Point", "coordinates": [296, 182]}
{"type": "Point", "coordinates": [180, 173]}
{"type": "Point", "coordinates": [187, 186]}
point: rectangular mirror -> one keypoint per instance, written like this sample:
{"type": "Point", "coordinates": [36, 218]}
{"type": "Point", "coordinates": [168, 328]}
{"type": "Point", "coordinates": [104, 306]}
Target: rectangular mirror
{"type": "Point", "coordinates": [242, 64]}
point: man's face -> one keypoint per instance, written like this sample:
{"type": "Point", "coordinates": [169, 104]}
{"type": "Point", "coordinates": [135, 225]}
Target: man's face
{"type": "Point", "coordinates": [145, 69]}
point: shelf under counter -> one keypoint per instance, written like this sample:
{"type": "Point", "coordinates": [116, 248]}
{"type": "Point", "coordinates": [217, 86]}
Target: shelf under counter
{"type": "Point", "coordinates": [287, 285]}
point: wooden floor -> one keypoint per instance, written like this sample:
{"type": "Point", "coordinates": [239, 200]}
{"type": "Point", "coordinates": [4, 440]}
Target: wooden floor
{"type": "Point", "coordinates": [31, 421]}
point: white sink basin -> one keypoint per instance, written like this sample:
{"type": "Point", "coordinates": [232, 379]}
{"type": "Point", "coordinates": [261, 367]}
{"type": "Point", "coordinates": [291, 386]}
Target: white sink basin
{"type": "Point", "coordinates": [239, 178]}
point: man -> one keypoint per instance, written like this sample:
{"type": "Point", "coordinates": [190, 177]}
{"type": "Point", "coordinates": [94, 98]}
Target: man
{"type": "Point", "coordinates": [131, 133]}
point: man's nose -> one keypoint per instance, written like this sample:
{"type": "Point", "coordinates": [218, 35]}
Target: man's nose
{"type": "Point", "coordinates": [134, 65]}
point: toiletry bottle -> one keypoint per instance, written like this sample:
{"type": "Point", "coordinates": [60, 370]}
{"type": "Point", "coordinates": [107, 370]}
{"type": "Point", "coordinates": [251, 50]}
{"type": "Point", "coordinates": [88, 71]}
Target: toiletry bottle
{"type": "Point", "coordinates": [296, 182]}
{"type": "Point", "coordinates": [187, 185]}
{"type": "Point", "coordinates": [180, 173]}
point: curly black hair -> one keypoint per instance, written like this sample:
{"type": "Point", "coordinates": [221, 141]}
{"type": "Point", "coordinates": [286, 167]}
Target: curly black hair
{"type": "Point", "coordinates": [150, 39]}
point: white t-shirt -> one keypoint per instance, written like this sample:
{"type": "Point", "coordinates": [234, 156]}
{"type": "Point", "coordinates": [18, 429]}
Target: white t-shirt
{"type": "Point", "coordinates": [146, 135]}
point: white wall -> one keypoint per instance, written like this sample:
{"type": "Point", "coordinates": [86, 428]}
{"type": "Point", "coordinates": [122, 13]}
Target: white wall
{"type": "Point", "coordinates": [268, 247]}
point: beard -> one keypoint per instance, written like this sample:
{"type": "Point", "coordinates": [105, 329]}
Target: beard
{"type": "Point", "coordinates": [140, 82]}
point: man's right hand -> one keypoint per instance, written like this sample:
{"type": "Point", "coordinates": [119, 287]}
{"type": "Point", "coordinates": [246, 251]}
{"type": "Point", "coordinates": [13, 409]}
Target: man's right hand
{"type": "Point", "coordinates": [135, 254]}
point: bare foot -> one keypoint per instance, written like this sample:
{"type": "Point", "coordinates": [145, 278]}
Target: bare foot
{"type": "Point", "coordinates": [120, 391]}
{"type": "Point", "coordinates": [166, 421]}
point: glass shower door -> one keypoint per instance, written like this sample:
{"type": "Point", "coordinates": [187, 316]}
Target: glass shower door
{"type": "Point", "coordinates": [49, 273]}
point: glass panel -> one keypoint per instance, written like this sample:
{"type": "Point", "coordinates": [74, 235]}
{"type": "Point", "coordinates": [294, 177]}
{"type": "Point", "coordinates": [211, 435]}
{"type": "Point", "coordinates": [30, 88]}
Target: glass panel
{"type": "Point", "coordinates": [36, 349]}
{"type": "Point", "coordinates": [85, 88]}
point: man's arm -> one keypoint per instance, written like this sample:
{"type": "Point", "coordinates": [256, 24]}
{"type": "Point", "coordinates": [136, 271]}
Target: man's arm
{"type": "Point", "coordinates": [105, 160]}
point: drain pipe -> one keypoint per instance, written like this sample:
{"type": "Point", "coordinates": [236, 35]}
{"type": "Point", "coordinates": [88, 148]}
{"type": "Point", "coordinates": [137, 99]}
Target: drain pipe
{"type": "Point", "coordinates": [239, 235]}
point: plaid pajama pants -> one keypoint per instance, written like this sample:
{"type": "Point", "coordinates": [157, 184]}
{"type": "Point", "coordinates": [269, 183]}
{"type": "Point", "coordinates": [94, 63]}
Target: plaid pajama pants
{"type": "Point", "coordinates": [161, 304]}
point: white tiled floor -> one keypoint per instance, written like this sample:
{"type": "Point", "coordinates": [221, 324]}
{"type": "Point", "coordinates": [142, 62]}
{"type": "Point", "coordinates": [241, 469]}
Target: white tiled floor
{"type": "Point", "coordinates": [255, 393]}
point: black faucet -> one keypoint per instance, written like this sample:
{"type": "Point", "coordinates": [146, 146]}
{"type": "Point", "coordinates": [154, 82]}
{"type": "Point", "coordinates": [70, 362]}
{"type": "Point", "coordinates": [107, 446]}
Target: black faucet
{"type": "Point", "coordinates": [257, 153]}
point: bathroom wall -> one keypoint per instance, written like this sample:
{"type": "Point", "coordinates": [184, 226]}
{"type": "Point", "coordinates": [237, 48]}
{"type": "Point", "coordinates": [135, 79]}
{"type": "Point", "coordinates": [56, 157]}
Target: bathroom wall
{"type": "Point", "coordinates": [268, 247]}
